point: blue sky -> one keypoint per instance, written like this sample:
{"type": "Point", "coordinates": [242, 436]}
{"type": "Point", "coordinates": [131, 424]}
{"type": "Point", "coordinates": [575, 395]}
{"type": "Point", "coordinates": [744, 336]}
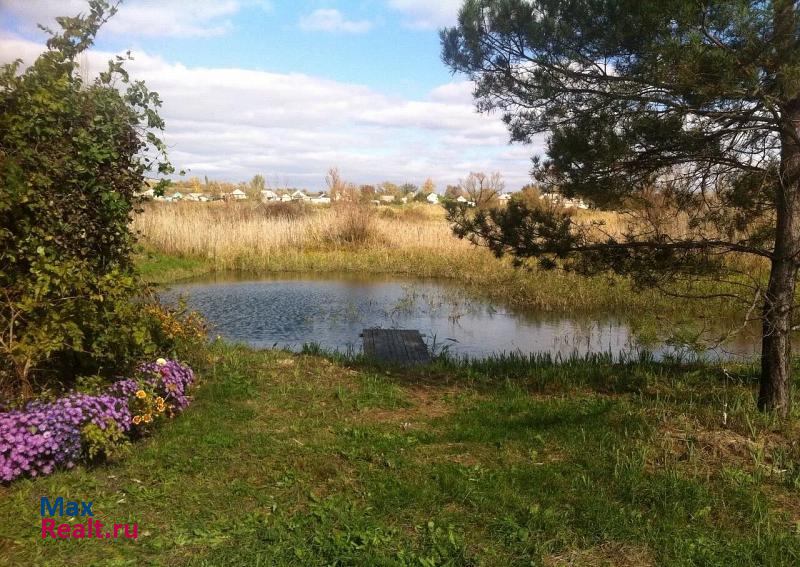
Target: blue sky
{"type": "Point", "coordinates": [288, 89]}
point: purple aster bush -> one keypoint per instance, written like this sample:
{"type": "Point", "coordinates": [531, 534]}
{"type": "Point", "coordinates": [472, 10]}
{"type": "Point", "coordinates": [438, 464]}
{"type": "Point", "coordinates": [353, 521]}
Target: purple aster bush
{"type": "Point", "coordinates": [43, 436]}
{"type": "Point", "coordinates": [171, 380]}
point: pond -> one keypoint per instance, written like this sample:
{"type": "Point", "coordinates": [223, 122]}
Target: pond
{"type": "Point", "coordinates": [289, 311]}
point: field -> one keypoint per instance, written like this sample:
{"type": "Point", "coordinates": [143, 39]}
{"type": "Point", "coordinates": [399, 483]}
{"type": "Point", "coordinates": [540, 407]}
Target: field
{"type": "Point", "coordinates": [309, 460]}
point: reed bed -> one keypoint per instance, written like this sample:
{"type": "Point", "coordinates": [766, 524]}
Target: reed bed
{"type": "Point", "coordinates": [223, 232]}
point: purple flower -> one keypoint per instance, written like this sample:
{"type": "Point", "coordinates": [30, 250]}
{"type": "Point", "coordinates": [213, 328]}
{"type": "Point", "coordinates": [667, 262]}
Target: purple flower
{"type": "Point", "coordinates": [44, 436]}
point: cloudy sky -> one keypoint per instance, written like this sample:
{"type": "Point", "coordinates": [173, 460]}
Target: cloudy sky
{"type": "Point", "coordinates": [290, 88]}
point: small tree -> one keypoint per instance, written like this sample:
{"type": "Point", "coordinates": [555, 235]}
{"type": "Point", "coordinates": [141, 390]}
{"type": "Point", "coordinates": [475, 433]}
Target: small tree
{"type": "Point", "coordinates": [689, 105]}
{"type": "Point", "coordinates": [482, 189]}
{"type": "Point", "coordinates": [256, 186]}
{"type": "Point", "coordinates": [367, 193]}
{"type": "Point", "coordinates": [407, 189]}
{"type": "Point", "coordinates": [73, 156]}
{"type": "Point", "coordinates": [428, 187]}
{"type": "Point", "coordinates": [335, 183]}
{"type": "Point", "coordinates": [453, 192]}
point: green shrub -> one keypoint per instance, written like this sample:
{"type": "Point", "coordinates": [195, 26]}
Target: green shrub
{"type": "Point", "coordinates": [109, 443]}
{"type": "Point", "coordinates": [73, 157]}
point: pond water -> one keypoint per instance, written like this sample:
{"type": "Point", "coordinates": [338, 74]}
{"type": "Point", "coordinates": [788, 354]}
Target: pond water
{"type": "Point", "coordinates": [289, 311]}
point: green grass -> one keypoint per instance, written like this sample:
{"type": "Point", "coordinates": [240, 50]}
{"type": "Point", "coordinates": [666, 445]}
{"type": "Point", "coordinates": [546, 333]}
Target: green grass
{"type": "Point", "coordinates": [158, 268]}
{"type": "Point", "coordinates": [310, 460]}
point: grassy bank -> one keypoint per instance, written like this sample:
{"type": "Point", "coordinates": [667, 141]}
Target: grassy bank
{"type": "Point", "coordinates": [301, 460]}
{"type": "Point", "coordinates": [182, 239]}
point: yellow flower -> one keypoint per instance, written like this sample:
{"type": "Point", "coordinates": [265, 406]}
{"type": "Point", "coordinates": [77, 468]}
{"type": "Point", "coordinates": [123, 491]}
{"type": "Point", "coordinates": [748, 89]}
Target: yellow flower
{"type": "Point", "coordinates": [141, 394]}
{"type": "Point", "coordinates": [137, 419]}
{"type": "Point", "coordinates": [160, 401]}
{"type": "Point", "coordinates": [161, 362]}
{"type": "Point", "coordinates": [147, 418]}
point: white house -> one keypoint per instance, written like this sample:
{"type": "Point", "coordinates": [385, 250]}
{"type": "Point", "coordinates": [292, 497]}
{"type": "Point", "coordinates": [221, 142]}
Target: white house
{"type": "Point", "coordinates": [299, 196]}
{"type": "Point", "coordinates": [505, 197]}
{"type": "Point", "coordinates": [238, 194]}
{"type": "Point", "coordinates": [148, 193]}
{"type": "Point", "coordinates": [321, 199]}
{"type": "Point", "coordinates": [286, 197]}
{"type": "Point", "coordinates": [432, 198]}
{"type": "Point", "coordinates": [387, 198]}
{"type": "Point", "coordinates": [269, 195]}
{"type": "Point", "coordinates": [564, 201]}
{"type": "Point", "coordinates": [177, 196]}
{"type": "Point", "coordinates": [575, 203]}
{"type": "Point", "coordinates": [461, 199]}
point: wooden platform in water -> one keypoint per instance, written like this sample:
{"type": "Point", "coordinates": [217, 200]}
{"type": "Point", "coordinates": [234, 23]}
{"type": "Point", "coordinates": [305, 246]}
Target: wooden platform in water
{"type": "Point", "coordinates": [398, 346]}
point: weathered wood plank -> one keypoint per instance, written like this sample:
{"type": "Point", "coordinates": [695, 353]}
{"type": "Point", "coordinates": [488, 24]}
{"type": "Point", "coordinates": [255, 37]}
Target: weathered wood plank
{"type": "Point", "coordinates": [399, 346]}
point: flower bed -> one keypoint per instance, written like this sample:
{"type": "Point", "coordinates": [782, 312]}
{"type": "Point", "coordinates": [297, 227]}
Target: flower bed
{"type": "Point", "coordinates": [47, 435]}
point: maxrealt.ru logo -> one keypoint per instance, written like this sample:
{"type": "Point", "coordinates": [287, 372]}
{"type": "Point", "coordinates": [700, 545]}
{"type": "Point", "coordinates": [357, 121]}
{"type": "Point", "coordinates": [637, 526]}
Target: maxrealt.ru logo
{"type": "Point", "coordinates": [91, 528]}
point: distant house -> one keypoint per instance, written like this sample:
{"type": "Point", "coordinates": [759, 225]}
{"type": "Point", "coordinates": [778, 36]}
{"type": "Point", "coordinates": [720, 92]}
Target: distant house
{"type": "Point", "coordinates": [299, 196]}
{"type": "Point", "coordinates": [575, 204]}
{"type": "Point", "coordinates": [148, 193]}
{"type": "Point", "coordinates": [432, 198]}
{"type": "Point", "coordinates": [286, 197]}
{"type": "Point", "coordinates": [268, 195]}
{"type": "Point", "coordinates": [196, 197]}
{"type": "Point", "coordinates": [176, 196]}
{"type": "Point", "coordinates": [321, 199]}
{"type": "Point", "coordinates": [461, 199]}
{"type": "Point", "coordinates": [238, 194]}
{"type": "Point", "coordinates": [387, 198]}
{"type": "Point", "coordinates": [504, 197]}
{"type": "Point", "coordinates": [564, 201]}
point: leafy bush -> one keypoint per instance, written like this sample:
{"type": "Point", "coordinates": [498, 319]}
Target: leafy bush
{"type": "Point", "coordinates": [43, 436]}
{"type": "Point", "coordinates": [109, 442]}
{"type": "Point", "coordinates": [73, 156]}
{"type": "Point", "coordinates": [178, 331]}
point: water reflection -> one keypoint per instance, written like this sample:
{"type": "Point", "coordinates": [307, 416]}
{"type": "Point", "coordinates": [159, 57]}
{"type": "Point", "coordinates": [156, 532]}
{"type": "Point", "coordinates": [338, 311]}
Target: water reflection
{"type": "Point", "coordinates": [331, 310]}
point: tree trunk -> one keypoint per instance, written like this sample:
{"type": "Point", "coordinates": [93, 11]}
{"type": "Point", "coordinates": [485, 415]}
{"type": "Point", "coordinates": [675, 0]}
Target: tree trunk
{"type": "Point", "coordinates": [776, 347]}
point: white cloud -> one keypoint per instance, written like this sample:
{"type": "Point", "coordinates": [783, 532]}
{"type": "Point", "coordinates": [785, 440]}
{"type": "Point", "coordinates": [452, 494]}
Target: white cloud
{"type": "Point", "coordinates": [332, 20]}
{"type": "Point", "coordinates": [231, 123]}
{"type": "Point", "coordinates": [174, 18]}
{"type": "Point", "coordinates": [424, 14]}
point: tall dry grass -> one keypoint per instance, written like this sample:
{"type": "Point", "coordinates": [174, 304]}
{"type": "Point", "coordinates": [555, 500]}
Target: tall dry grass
{"type": "Point", "coordinates": [225, 231]}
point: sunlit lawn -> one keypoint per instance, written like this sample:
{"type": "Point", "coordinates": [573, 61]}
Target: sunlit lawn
{"type": "Point", "coordinates": [304, 460]}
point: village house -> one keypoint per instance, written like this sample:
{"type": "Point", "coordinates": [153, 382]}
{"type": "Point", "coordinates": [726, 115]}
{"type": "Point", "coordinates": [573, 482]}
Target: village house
{"type": "Point", "coordinates": [237, 195]}
{"type": "Point", "coordinates": [564, 201]}
{"type": "Point", "coordinates": [148, 193]}
{"type": "Point", "coordinates": [269, 195]}
{"type": "Point", "coordinates": [321, 199]}
{"type": "Point", "coordinates": [299, 196]}
{"type": "Point", "coordinates": [432, 198]}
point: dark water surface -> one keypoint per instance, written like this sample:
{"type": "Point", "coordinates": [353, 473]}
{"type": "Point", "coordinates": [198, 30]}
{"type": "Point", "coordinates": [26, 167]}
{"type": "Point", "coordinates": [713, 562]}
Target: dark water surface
{"type": "Point", "coordinates": [332, 310]}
